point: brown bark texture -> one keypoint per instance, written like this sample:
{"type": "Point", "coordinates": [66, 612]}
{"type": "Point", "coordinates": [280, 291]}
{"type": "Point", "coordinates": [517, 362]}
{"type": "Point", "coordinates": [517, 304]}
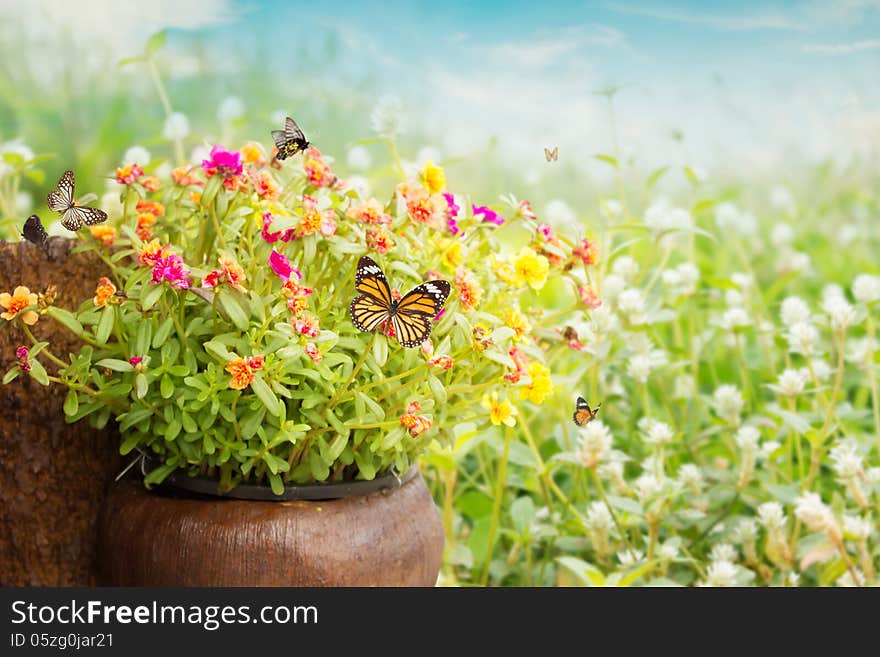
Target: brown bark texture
{"type": "Point", "coordinates": [53, 475]}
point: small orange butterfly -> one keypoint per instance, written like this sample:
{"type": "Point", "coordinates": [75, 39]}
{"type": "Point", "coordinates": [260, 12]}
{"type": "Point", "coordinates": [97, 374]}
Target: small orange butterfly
{"type": "Point", "coordinates": [583, 414]}
{"type": "Point", "coordinates": [552, 155]}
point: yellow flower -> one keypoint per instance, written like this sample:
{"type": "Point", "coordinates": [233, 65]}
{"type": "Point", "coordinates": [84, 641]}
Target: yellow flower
{"type": "Point", "coordinates": [251, 153]}
{"type": "Point", "coordinates": [540, 386]}
{"type": "Point", "coordinates": [106, 234]}
{"type": "Point", "coordinates": [433, 178]}
{"type": "Point", "coordinates": [499, 412]}
{"type": "Point", "coordinates": [20, 299]}
{"type": "Point", "coordinates": [531, 268]}
{"type": "Point", "coordinates": [518, 322]}
{"type": "Point", "coordinates": [104, 292]}
{"type": "Point", "coordinates": [453, 256]}
{"type": "Point", "coordinates": [242, 376]}
{"type": "Point", "coordinates": [505, 272]}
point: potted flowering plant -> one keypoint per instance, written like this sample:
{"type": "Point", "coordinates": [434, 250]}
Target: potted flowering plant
{"type": "Point", "coordinates": [228, 344]}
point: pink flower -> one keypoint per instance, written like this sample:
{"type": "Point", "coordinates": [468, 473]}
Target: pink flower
{"type": "Point", "coordinates": [271, 238]}
{"type": "Point", "coordinates": [441, 362]}
{"type": "Point", "coordinates": [525, 210]}
{"type": "Point", "coordinates": [453, 226]}
{"type": "Point", "coordinates": [255, 362]}
{"type": "Point", "coordinates": [487, 214]}
{"type": "Point", "coordinates": [22, 354]}
{"type": "Point", "coordinates": [306, 325]}
{"type": "Point", "coordinates": [452, 210]}
{"type": "Point", "coordinates": [280, 264]}
{"type": "Point", "coordinates": [328, 225]}
{"type": "Point", "coordinates": [225, 163]}
{"type": "Point", "coordinates": [129, 174]}
{"type": "Point", "coordinates": [545, 231]}
{"type": "Point", "coordinates": [314, 353]}
{"type": "Point", "coordinates": [317, 171]}
{"type": "Point", "coordinates": [439, 315]}
{"type": "Point", "coordinates": [134, 361]}
{"type": "Point", "coordinates": [589, 297]}
{"type": "Point", "coordinates": [171, 269]}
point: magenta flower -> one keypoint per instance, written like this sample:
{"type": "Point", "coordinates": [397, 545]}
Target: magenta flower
{"type": "Point", "coordinates": [22, 354]}
{"type": "Point", "coordinates": [306, 325]}
{"type": "Point", "coordinates": [280, 264]}
{"type": "Point", "coordinates": [487, 214]}
{"type": "Point", "coordinates": [453, 226]}
{"type": "Point", "coordinates": [271, 238]}
{"type": "Point", "coordinates": [452, 209]}
{"type": "Point", "coordinates": [223, 162]}
{"type": "Point", "coordinates": [546, 231]}
{"type": "Point", "coordinates": [134, 361]}
{"type": "Point", "coordinates": [172, 269]}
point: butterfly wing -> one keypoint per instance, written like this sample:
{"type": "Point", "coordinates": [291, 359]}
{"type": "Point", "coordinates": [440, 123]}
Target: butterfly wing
{"type": "Point", "coordinates": [289, 141]}
{"type": "Point", "coordinates": [547, 153]}
{"type": "Point", "coordinates": [367, 313]}
{"type": "Point", "coordinates": [373, 306]}
{"type": "Point", "coordinates": [292, 130]}
{"type": "Point", "coordinates": [412, 318]}
{"type": "Point", "coordinates": [61, 198]}
{"type": "Point", "coordinates": [76, 216]}
{"type": "Point", "coordinates": [583, 414]}
{"type": "Point", "coordinates": [33, 231]}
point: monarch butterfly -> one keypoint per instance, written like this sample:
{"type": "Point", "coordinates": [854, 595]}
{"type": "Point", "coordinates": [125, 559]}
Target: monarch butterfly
{"type": "Point", "coordinates": [410, 317]}
{"type": "Point", "coordinates": [73, 216]}
{"type": "Point", "coordinates": [34, 232]}
{"type": "Point", "coordinates": [289, 141]}
{"type": "Point", "coordinates": [551, 155]}
{"type": "Point", "coordinates": [583, 414]}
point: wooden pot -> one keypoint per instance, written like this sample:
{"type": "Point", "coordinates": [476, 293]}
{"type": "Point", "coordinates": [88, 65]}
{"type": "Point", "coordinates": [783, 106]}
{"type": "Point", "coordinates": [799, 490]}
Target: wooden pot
{"type": "Point", "coordinates": [154, 538]}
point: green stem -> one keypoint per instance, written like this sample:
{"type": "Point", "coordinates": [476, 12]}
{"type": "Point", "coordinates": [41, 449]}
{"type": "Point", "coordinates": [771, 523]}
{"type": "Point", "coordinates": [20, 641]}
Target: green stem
{"type": "Point", "coordinates": [500, 480]}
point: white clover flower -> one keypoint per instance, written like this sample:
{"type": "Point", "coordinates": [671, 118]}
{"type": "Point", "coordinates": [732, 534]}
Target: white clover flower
{"type": "Point", "coordinates": [641, 365]}
{"type": "Point", "coordinates": [794, 311]}
{"type": "Point", "coordinates": [598, 518]}
{"type": "Point", "coordinates": [861, 352]}
{"type": "Point", "coordinates": [359, 158]}
{"type": "Point", "coordinates": [611, 208]}
{"type": "Point", "coordinates": [176, 126]}
{"type": "Point", "coordinates": [746, 531]}
{"type": "Point", "coordinates": [731, 219]}
{"type": "Point", "coordinates": [747, 439]}
{"type": "Point", "coordinates": [111, 204]}
{"type": "Point", "coordinates": [771, 515]}
{"type": "Point", "coordinates": [683, 387]}
{"type": "Point", "coordinates": [802, 338]}
{"type": "Point", "coordinates": [612, 286]}
{"type": "Point", "coordinates": [782, 199]}
{"type": "Point", "coordinates": [720, 574]}
{"type": "Point", "coordinates": [559, 214]}
{"type": "Point", "coordinates": [603, 321]}
{"type": "Point", "coordinates": [360, 185]}
{"type": "Point", "coordinates": [846, 580]}
{"type": "Point", "coordinates": [613, 471]}
{"type": "Point", "coordinates": [781, 234]}
{"type": "Point", "coordinates": [690, 477]}
{"type": "Point", "coordinates": [728, 403]}
{"type": "Point", "coordinates": [667, 551]}
{"type": "Point", "coordinates": [625, 267]}
{"type": "Point", "coordinates": [639, 343]}
{"type": "Point", "coordinates": [857, 528]}
{"type": "Point", "coordinates": [735, 318]}
{"type": "Point", "coordinates": [230, 109]}
{"type": "Point", "coordinates": [816, 515]}
{"type": "Point", "coordinates": [723, 552]}
{"type": "Point", "coordinates": [841, 313]}
{"type": "Point", "coordinates": [647, 486]}
{"type": "Point", "coordinates": [873, 475]}
{"type": "Point", "coordinates": [792, 579]}
{"type": "Point", "coordinates": [386, 119]}
{"type": "Point", "coordinates": [832, 291]}
{"type": "Point", "coordinates": [847, 461]}
{"type": "Point", "coordinates": [631, 303]}
{"type": "Point", "coordinates": [690, 277]}
{"type": "Point", "coordinates": [866, 288]}
{"type": "Point", "coordinates": [767, 449]}
{"type": "Point", "coordinates": [734, 298]}
{"type": "Point", "coordinates": [658, 433]}
{"type": "Point", "coordinates": [662, 216]}
{"type": "Point", "coordinates": [793, 261]}
{"type": "Point", "coordinates": [629, 557]}
{"type": "Point", "coordinates": [823, 370]}
{"type": "Point", "coordinates": [594, 445]}
{"type": "Point", "coordinates": [136, 155]}
{"type": "Point", "coordinates": [792, 382]}
{"type": "Point", "coordinates": [671, 279]}
{"type": "Point", "coordinates": [742, 281]}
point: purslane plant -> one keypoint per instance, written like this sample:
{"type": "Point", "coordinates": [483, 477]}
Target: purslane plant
{"type": "Point", "coordinates": [220, 339]}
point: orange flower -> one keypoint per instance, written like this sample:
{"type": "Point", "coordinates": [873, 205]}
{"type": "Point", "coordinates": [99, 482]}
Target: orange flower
{"type": "Point", "coordinates": [196, 197]}
{"type": "Point", "coordinates": [469, 290]}
{"type": "Point", "coordinates": [379, 239]}
{"type": "Point", "coordinates": [20, 299]}
{"type": "Point", "coordinates": [128, 174]}
{"type": "Point", "coordinates": [107, 234]}
{"type": "Point", "coordinates": [252, 153]}
{"type": "Point", "coordinates": [153, 207]}
{"type": "Point", "coordinates": [150, 183]}
{"type": "Point", "coordinates": [414, 423]}
{"type": "Point", "coordinates": [104, 292]}
{"type": "Point", "coordinates": [230, 272]}
{"type": "Point", "coordinates": [183, 177]}
{"type": "Point", "coordinates": [266, 186]}
{"type": "Point", "coordinates": [145, 222]}
{"type": "Point", "coordinates": [587, 251]}
{"type": "Point", "coordinates": [242, 375]}
{"type": "Point", "coordinates": [317, 171]}
{"type": "Point", "coordinates": [371, 212]}
{"type": "Point", "coordinates": [424, 207]}
{"type": "Point", "coordinates": [150, 252]}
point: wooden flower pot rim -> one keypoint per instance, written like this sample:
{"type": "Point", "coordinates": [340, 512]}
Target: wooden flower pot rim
{"type": "Point", "coordinates": [180, 481]}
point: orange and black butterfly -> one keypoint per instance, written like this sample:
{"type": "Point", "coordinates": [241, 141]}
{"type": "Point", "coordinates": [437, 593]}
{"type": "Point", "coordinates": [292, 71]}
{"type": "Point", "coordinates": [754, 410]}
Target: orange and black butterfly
{"type": "Point", "coordinates": [289, 141]}
{"type": "Point", "coordinates": [583, 414]}
{"type": "Point", "coordinates": [410, 317]}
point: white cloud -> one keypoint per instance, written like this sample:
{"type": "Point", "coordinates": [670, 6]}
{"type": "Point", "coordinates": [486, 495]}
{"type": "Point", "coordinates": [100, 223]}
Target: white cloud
{"type": "Point", "coordinates": [842, 48]}
{"type": "Point", "coordinates": [765, 19]}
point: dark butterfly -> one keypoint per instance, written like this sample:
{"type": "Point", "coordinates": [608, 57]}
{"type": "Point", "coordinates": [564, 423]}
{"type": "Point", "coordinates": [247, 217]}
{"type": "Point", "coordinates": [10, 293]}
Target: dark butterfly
{"type": "Point", "coordinates": [289, 141]}
{"type": "Point", "coordinates": [34, 232]}
{"type": "Point", "coordinates": [410, 317]}
{"type": "Point", "coordinates": [73, 216]}
{"type": "Point", "coordinates": [582, 412]}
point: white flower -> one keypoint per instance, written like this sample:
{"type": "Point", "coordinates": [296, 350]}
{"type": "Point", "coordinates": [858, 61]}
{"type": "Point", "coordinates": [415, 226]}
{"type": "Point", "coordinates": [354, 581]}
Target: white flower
{"type": "Point", "coordinates": [742, 281]}
{"type": "Point", "coordinates": [683, 388]}
{"type": "Point", "coordinates": [667, 551]}
{"type": "Point", "coordinates": [640, 365]}
{"type": "Point", "coordinates": [612, 470]}
{"type": "Point", "coordinates": [723, 552]}
{"type": "Point", "coordinates": [176, 126]}
{"type": "Point", "coordinates": [816, 515]}
{"type": "Point", "coordinates": [631, 303]}
{"type": "Point", "coordinates": [657, 433]}
{"type": "Point", "coordinates": [792, 578]}
{"type": "Point", "coordinates": [230, 109]}
{"type": "Point", "coordinates": [771, 516]}
{"type": "Point", "coordinates": [734, 298]}
{"type": "Point", "coordinates": [720, 574]}
{"type": "Point", "coordinates": [847, 579]}
{"type": "Point", "coordinates": [857, 528]}
{"type": "Point", "coordinates": [802, 338]}
{"type": "Point", "coordinates": [746, 531]}
{"type": "Point", "coordinates": [841, 313]}
{"type": "Point", "coordinates": [767, 449]}
{"type": "Point", "coordinates": [136, 155]}
{"type": "Point", "coordinates": [595, 442]}
{"type": "Point", "coordinates": [625, 267]}
{"type": "Point", "coordinates": [873, 475]}
{"type": "Point", "coordinates": [690, 477]}
{"type": "Point", "coordinates": [559, 214]}
{"type": "Point", "coordinates": [735, 318]}
{"type": "Point", "coordinates": [111, 204]}
{"type": "Point", "coordinates": [647, 485]}
{"type": "Point", "coordinates": [661, 216]}
{"type": "Point", "coordinates": [747, 439]}
{"type": "Point", "coordinates": [862, 352]}
{"type": "Point", "coordinates": [611, 208]}
{"type": "Point", "coordinates": [782, 199]}
{"type": "Point", "coordinates": [823, 370]}
{"type": "Point", "coordinates": [866, 288]}
{"type": "Point", "coordinates": [832, 291]}
{"type": "Point", "coordinates": [690, 277]}
{"type": "Point", "coordinates": [794, 311]}
{"type": "Point", "coordinates": [847, 461]}
{"type": "Point", "coordinates": [781, 235]}
{"type": "Point", "coordinates": [360, 185]}
{"type": "Point", "coordinates": [598, 518]}
{"type": "Point", "coordinates": [639, 343]}
{"type": "Point", "coordinates": [728, 403]}
{"type": "Point", "coordinates": [603, 321]}
{"type": "Point", "coordinates": [358, 158]}
{"type": "Point", "coordinates": [199, 153]}
{"type": "Point", "coordinates": [386, 118]}
{"type": "Point", "coordinates": [792, 382]}
{"type": "Point", "coordinates": [629, 557]}
{"type": "Point", "coordinates": [612, 286]}
{"type": "Point", "coordinates": [731, 219]}
{"type": "Point", "coordinates": [793, 261]}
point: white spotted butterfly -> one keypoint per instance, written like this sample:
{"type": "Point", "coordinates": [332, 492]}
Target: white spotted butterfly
{"type": "Point", "coordinates": [73, 216]}
{"type": "Point", "coordinates": [410, 317]}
